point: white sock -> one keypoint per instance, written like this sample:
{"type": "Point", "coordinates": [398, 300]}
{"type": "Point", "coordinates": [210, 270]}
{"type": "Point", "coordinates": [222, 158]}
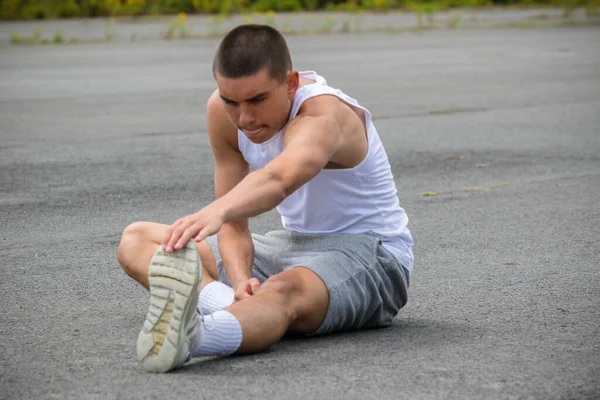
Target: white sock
{"type": "Point", "coordinates": [214, 297]}
{"type": "Point", "coordinates": [221, 335]}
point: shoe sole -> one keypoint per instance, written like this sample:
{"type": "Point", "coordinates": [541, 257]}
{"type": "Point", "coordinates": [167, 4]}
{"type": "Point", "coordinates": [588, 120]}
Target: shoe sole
{"type": "Point", "coordinates": [174, 279]}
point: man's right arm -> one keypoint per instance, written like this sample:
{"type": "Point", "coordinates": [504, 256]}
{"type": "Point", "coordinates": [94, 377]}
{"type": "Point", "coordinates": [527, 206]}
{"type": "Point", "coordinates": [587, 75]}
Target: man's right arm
{"type": "Point", "coordinates": [235, 241]}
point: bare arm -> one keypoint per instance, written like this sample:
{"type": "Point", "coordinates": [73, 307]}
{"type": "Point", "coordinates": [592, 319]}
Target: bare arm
{"type": "Point", "coordinates": [235, 242]}
{"type": "Point", "coordinates": [311, 142]}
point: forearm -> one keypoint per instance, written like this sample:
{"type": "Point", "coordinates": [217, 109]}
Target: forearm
{"type": "Point", "coordinates": [237, 252]}
{"type": "Point", "coordinates": [257, 193]}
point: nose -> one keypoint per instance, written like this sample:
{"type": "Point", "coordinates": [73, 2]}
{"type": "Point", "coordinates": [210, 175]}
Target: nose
{"type": "Point", "coordinates": [246, 116]}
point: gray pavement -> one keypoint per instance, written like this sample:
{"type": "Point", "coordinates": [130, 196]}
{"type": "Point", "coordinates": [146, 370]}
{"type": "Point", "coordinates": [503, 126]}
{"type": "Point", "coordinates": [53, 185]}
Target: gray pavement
{"type": "Point", "coordinates": [504, 299]}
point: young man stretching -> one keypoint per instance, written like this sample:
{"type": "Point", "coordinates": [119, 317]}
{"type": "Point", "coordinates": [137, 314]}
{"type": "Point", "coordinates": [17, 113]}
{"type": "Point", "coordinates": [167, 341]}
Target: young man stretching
{"type": "Point", "coordinates": [343, 259]}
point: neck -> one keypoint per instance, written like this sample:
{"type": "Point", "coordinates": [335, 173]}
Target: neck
{"type": "Point", "coordinates": [287, 118]}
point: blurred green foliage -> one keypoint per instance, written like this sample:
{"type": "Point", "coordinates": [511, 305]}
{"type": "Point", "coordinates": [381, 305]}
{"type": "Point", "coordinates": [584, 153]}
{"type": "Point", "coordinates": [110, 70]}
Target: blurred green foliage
{"type": "Point", "coordinates": [44, 9]}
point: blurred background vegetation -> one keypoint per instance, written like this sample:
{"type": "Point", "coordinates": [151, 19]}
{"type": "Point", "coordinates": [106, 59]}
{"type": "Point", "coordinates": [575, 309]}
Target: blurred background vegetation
{"type": "Point", "coordinates": [50, 9]}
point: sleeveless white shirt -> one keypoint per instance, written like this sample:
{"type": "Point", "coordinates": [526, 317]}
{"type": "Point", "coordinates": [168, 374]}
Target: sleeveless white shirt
{"type": "Point", "coordinates": [362, 199]}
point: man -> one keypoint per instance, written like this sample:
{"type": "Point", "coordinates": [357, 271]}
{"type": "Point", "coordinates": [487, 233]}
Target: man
{"type": "Point", "coordinates": [344, 256]}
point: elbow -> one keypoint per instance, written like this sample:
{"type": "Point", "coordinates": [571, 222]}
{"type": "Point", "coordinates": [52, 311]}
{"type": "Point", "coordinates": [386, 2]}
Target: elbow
{"type": "Point", "coordinates": [282, 189]}
{"type": "Point", "coordinates": [280, 186]}
{"type": "Point", "coordinates": [284, 179]}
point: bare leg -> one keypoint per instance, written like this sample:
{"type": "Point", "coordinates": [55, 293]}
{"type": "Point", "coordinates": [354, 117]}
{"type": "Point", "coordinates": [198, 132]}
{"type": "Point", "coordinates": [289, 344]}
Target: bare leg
{"type": "Point", "coordinates": [139, 243]}
{"type": "Point", "coordinates": [294, 300]}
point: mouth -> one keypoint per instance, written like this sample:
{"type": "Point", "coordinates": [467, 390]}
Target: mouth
{"type": "Point", "coordinates": [253, 132]}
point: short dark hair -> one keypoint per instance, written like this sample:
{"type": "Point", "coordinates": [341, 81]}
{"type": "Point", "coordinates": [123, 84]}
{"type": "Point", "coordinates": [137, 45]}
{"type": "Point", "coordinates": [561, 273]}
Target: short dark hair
{"type": "Point", "coordinates": [248, 48]}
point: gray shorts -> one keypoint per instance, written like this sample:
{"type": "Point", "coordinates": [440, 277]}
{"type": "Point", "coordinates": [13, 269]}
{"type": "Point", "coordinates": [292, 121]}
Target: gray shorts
{"type": "Point", "coordinates": [367, 286]}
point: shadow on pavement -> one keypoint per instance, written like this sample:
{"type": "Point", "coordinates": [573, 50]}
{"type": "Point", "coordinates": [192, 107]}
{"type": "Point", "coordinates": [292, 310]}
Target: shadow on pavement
{"type": "Point", "coordinates": [366, 346]}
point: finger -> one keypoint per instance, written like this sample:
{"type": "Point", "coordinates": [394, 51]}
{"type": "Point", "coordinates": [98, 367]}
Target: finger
{"type": "Point", "coordinates": [203, 234]}
{"type": "Point", "coordinates": [241, 295]}
{"type": "Point", "coordinates": [186, 235]}
{"type": "Point", "coordinates": [244, 291]}
{"type": "Point", "coordinates": [177, 232]}
{"type": "Point", "coordinates": [254, 285]}
{"type": "Point", "coordinates": [169, 232]}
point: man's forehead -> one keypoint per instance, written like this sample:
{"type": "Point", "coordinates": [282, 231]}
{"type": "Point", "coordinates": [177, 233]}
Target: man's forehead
{"type": "Point", "coordinates": [245, 88]}
{"type": "Point", "coordinates": [241, 89]}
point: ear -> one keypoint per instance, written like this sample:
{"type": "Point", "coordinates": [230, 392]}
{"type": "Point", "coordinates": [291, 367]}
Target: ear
{"type": "Point", "coordinates": [292, 81]}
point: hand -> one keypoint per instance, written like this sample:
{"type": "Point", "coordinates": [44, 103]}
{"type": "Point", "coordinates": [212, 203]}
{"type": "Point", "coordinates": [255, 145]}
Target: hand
{"type": "Point", "coordinates": [197, 226]}
{"type": "Point", "coordinates": [246, 289]}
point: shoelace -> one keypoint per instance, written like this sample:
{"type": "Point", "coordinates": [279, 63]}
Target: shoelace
{"type": "Point", "coordinates": [204, 324]}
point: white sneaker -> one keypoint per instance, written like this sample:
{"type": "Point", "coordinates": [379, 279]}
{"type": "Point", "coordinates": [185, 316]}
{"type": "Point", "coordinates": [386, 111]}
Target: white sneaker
{"type": "Point", "coordinates": [167, 338]}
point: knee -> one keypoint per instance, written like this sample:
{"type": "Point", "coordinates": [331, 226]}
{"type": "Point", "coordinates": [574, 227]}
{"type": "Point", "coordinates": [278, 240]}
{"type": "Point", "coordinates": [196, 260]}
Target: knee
{"type": "Point", "coordinates": [131, 241]}
{"type": "Point", "coordinates": [287, 287]}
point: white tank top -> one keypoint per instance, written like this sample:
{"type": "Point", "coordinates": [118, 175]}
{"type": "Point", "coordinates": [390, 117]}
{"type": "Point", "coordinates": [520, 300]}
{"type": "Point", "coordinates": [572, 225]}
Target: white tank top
{"type": "Point", "coordinates": [362, 199]}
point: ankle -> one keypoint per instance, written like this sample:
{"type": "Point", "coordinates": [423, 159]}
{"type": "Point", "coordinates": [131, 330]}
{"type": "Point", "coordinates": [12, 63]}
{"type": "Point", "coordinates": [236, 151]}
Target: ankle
{"type": "Point", "coordinates": [219, 334]}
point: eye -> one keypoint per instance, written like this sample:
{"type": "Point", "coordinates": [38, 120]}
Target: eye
{"type": "Point", "coordinates": [257, 100]}
{"type": "Point", "coordinates": [229, 102]}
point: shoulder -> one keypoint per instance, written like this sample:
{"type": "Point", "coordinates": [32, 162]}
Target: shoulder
{"type": "Point", "coordinates": [326, 109]}
{"type": "Point", "coordinates": [215, 112]}
{"type": "Point", "coordinates": [220, 127]}
{"type": "Point", "coordinates": [321, 105]}
{"type": "Point", "coordinates": [316, 115]}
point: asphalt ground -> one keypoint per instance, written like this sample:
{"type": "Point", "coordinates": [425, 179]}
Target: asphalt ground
{"type": "Point", "coordinates": [502, 126]}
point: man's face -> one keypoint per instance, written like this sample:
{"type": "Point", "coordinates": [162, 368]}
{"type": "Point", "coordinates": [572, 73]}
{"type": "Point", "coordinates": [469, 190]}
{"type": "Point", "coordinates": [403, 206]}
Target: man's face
{"type": "Point", "coordinates": [257, 104]}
